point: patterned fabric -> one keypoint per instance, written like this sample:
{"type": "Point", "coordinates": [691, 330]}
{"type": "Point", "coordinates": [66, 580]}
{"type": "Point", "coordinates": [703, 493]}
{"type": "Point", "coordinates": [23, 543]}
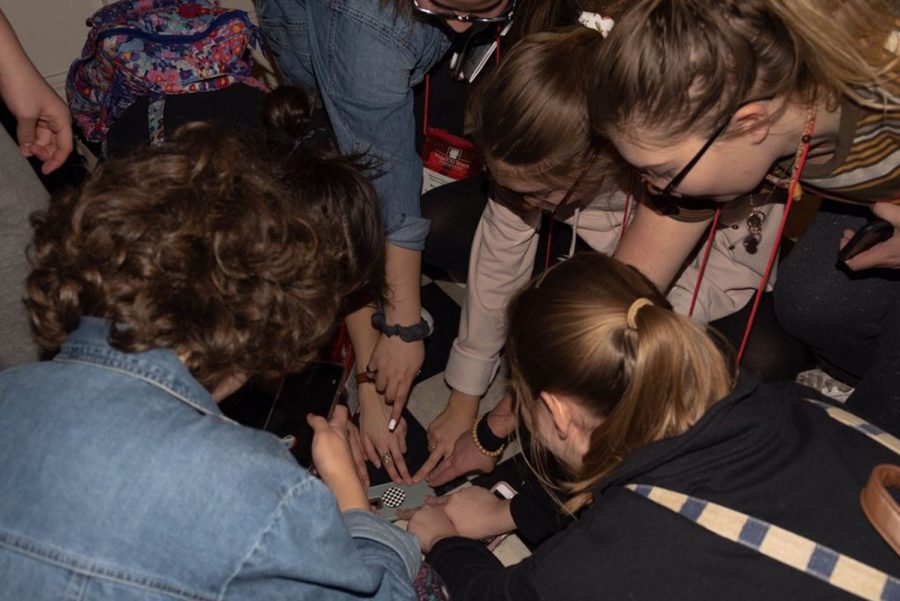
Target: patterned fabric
{"type": "Point", "coordinates": [789, 548]}
{"type": "Point", "coordinates": [779, 544]}
{"type": "Point", "coordinates": [865, 165]}
{"type": "Point", "coordinates": [154, 48]}
{"type": "Point", "coordinates": [860, 425]}
{"type": "Point", "coordinates": [429, 586]}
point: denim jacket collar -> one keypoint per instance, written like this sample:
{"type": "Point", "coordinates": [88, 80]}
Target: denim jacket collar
{"type": "Point", "coordinates": [89, 344]}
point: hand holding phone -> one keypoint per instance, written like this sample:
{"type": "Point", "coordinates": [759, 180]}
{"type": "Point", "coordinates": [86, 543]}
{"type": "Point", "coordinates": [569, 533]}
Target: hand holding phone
{"type": "Point", "coordinates": [874, 232]}
{"type": "Point", "coordinates": [334, 461]}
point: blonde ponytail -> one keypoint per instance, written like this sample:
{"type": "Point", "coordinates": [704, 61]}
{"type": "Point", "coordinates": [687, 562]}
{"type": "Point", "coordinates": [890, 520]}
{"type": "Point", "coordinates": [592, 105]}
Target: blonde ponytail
{"type": "Point", "coordinates": [597, 331]}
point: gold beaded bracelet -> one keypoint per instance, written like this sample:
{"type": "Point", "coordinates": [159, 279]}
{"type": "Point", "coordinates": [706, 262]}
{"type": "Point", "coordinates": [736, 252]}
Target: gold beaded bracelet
{"type": "Point", "coordinates": [478, 445]}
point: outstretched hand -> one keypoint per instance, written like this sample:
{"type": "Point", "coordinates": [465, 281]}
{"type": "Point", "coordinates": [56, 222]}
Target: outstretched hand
{"type": "Point", "coordinates": [393, 366]}
{"type": "Point", "coordinates": [455, 420]}
{"type": "Point", "coordinates": [381, 446]}
{"type": "Point", "coordinates": [465, 459]}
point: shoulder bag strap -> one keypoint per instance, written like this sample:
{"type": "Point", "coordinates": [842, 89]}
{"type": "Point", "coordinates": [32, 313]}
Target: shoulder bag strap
{"type": "Point", "coordinates": [789, 548]}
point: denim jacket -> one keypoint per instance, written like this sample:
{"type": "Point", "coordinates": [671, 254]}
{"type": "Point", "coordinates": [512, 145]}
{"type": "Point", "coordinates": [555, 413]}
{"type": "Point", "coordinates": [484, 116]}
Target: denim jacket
{"type": "Point", "coordinates": [364, 60]}
{"type": "Point", "coordinates": [121, 479]}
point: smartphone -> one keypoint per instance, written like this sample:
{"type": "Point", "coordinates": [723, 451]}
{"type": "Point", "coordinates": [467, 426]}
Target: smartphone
{"type": "Point", "coordinates": [279, 404]}
{"type": "Point", "coordinates": [388, 498]}
{"type": "Point", "coordinates": [316, 390]}
{"type": "Point", "coordinates": [501, 490]}
{"type": "Point", "coordinates": [877, 230]}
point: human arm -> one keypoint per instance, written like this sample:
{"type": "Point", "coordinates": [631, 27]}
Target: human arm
{"type": "Point", "coordinates": [326, 544]}
{"type": "Point", "coordinates": [375, 413]}
{"type": "Point", "coordinates": [395, 362]}
{"type": "Point", "coordinates": [44, 125]}
{"type": "Point", "coordinates": [657, 245]}
{"type": "Point", "coordinates": [366, 59]}
{"type": "Point", "coordinates": [884, 254]}
{"type": "Point", "coordinates": [503, 251]}
{"type": "Point", "coordinates": [475, 512]}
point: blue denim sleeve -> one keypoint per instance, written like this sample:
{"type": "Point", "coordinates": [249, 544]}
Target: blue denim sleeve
{"type": "Point", "coordinates": [311, 550]}
{"type": "Point", "coordinates": [365, 526]}
{"type": "Point", "coordinates": [366, 60]}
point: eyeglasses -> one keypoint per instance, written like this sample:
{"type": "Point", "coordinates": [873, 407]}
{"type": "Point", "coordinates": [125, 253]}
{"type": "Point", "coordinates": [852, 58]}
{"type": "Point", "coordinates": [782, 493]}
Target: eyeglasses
{"type": "Point", "coordinates": [720, 129]}
{"type": "Point", "coordinates": [467, 17]}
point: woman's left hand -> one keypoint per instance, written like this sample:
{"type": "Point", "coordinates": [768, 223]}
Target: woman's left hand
{"type": "Point", "coordinates": [381, 446]}
{"type": "Point", "coordinates": [430, 524]}
{"type": "Point", "coordinates": [884, 254]}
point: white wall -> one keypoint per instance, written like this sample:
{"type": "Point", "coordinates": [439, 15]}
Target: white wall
{"type": "Point", "coordinates": [53, 31]}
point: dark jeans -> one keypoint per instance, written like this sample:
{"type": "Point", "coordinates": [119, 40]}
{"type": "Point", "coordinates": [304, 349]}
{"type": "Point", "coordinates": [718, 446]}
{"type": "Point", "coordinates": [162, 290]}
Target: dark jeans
{"type": "Point", "coordinates": [850, 320]}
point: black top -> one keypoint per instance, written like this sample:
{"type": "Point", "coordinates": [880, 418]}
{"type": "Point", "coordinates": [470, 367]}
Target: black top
{"type": "Point", "coordinates": [762, 451]}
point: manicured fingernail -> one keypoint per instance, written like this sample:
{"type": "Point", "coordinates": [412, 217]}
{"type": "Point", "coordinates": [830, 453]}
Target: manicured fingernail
{"type": "Point", "coordinates": [392, 424]}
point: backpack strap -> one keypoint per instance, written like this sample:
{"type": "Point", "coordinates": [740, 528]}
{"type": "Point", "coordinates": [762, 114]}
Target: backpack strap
{"type": "Point", "coordinates": [860, 425]}
{"type": "Point", "coordinates": [784, 546]}
{"type": "Point", "coordinates": [156, 111]}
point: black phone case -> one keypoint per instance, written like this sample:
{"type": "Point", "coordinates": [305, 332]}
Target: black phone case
{"type": "Point", "coordinates": [867, 236]}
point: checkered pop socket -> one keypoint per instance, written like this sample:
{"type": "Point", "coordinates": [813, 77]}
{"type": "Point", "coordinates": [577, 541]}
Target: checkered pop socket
{"type": "Point", "coordinates": [393, 497]}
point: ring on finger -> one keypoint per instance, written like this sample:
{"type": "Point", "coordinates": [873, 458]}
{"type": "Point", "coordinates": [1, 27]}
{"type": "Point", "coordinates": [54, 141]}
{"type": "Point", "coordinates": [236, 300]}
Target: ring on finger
{"type": "Point", "coordinates": [386, 457]}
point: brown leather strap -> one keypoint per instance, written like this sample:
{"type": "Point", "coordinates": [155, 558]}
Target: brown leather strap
{"type": "Point", "coordinates": [879, 505]}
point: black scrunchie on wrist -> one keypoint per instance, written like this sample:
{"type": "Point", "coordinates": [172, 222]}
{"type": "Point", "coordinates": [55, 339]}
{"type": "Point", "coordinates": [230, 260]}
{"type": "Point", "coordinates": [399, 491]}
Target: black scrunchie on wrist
{"type": "Point", "coordinates": [419, 331]}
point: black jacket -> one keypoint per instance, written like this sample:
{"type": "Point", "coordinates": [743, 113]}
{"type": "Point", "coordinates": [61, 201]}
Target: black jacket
{"type": "Point", "coordinates": [762, 451]}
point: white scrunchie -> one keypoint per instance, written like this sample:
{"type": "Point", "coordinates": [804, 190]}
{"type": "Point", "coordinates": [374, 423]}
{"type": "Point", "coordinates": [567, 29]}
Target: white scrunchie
{"type": "Point", "coordinates": [597, 22]}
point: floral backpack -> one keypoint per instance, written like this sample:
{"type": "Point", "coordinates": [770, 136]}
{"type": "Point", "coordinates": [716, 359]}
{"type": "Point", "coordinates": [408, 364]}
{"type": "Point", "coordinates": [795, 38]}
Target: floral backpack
{"type": "Point", "coordinates": [154, 48]}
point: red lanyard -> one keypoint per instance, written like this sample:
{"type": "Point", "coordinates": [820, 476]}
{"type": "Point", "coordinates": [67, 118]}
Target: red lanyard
{"type": "Point", "coordinates": [709, 244]}
{"type": "Point", "coordinates": [802, 153]}
{"type": "Point", "coordinates": [792, 192]}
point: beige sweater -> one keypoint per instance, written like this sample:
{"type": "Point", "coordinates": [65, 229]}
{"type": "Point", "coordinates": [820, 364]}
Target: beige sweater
{"type": "Point", "coordinates": [502, 258]}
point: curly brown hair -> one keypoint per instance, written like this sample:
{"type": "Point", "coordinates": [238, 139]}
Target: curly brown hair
{"type": "Point", "coordinates": [203, 246]}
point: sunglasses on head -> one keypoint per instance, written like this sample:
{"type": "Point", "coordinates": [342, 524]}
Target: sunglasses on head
{"type": "Point", "coordinates": [471, 17]}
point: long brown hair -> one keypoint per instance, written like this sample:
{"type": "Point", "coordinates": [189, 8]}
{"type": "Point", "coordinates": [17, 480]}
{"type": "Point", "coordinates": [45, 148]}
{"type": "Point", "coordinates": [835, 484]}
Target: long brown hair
{"type": "Point", "coordinates": [531, 112]}
{"type": "Point", "coordinates": [681, 66]}
{"type": "Point", "coordinates": [569, 334]}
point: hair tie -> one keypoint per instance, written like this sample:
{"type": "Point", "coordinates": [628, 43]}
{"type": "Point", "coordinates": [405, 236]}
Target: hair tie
{"type": "Point", "coordinates": [636, 306]}
{"type": "Point", "coordinates": [597, 22]}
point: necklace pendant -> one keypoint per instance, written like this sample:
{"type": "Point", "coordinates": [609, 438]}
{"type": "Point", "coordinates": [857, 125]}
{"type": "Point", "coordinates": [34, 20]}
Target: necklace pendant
{"type": "Point", "coordinates": [755, 221]}
{"type": "Point", "coordinates": [751, 243]}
